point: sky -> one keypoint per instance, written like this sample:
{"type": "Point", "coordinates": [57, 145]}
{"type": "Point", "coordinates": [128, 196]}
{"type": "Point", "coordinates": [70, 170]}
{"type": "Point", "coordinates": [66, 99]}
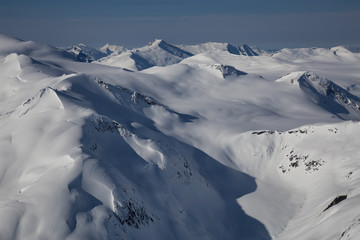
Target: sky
{"type": "Point", "coordinates": [268, 24]}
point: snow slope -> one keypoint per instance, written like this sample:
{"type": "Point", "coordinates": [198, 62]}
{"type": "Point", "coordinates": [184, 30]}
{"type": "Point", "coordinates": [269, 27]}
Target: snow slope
{"type": "Point", "coordinates": [210, 146]}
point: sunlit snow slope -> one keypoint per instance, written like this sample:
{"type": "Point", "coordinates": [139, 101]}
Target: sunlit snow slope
{"type": "Point", "coordinates": [214, 145]}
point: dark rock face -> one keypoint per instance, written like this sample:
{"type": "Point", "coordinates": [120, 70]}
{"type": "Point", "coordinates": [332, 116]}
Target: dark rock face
{"type": "Point", "coordinates": [337, 200]}
{"type": "Point", "coordinates": [229, 71]}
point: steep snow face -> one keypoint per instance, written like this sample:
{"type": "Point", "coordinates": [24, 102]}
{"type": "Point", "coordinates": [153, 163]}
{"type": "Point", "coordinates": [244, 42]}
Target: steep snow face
{"type": "Point", "coordinates": [84, 160]}
{"type": "Point", "coordinates": [248, 51]}
{"type": "Point", "coordinates": [157, 53]}
{"type": "Point", "coordinates": [237, 146]}
{"type": "Point", "coordinates": [106, 170]}
{"type": "Point", "coordinates": [326, 93]}
{"type": "Point", "coordinates": [85, 53]}
{"type": "Point", "coordinates": [300, 174]}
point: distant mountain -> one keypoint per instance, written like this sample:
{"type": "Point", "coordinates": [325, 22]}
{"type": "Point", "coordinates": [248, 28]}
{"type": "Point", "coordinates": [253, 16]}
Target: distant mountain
{"type": "Point", "coordinates": [112, 49]}
{"type": "Point", "coordinates": [157, 53]}
{"type": "Point", "coordinates": [210, 46]}
{"type": "Point", "coordinates": [244, 49]}
{"type": "Point", "coordinates": [317, 53]}
{"type": "Point", "coordinates": [161, 53]}
{"type": "Point", "coordinates": [85, 53]}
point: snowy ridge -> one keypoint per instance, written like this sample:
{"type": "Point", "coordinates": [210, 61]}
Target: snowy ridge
{"type": "Point", "coordinates": [320, 54]}
{"type": "Point", "coordinates": [247, 51]}
{"type": "Point", "coordinates": [244, 49]}
{"type": "Point", "coordinates": [85, 53]}
{"type": "Point", "coordinates": [325, 92]}
{"type": "Point", "coordinates": [223, 142]}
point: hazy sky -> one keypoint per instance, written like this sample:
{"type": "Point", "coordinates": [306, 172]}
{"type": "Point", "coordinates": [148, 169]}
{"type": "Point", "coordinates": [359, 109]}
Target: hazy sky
{"type": "Point", "coordinates": [264, 23]}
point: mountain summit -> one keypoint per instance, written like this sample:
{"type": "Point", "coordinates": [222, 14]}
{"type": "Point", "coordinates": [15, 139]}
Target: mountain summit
{"type": "Point", "coordinates": [156, 53]}
{"type": "Point", "coordinates": [112, 49]}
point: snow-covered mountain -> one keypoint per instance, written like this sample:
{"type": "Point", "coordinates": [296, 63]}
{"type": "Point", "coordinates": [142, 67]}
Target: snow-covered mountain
{"type": "Point", "coordinates": [157, 53]}
{"type": "Point", "coordinates": [112, 49]}
{"type": "Point", "coordinates": [85, 53]}
{"type": "Point", "coordinates": [325, 93]}
{"type": "Point", "coordinates": [161, 53]}
{"type": "Point", "coordinates": [226, 47]}
{"type": "Point", "coordinates": [319, 54]}
{"type": "Point", "coordinates": [207, 145]}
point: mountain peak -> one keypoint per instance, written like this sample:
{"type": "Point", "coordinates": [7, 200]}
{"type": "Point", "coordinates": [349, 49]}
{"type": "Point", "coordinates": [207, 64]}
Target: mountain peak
{"type": "Point", "coordinates": [110, 49]}
{"type": "Point", "coordinates": [85, 53]}
{"type": "Point", "coordinates": [246, 50]}
{"type": "Point", "coordinates": [344, 49]}
{"type": "Point", "coordinates": [171, 49]}
{"type": "Point", "coordinates": [157, 42]}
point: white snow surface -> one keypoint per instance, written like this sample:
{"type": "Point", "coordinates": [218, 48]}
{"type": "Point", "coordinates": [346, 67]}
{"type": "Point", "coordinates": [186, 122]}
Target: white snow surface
{"type": "Point", "coordinates": [207, 146]}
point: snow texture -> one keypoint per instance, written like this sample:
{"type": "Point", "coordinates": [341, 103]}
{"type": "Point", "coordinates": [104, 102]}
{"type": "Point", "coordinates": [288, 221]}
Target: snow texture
{"type": "Point", "coordinates": [208, 141]}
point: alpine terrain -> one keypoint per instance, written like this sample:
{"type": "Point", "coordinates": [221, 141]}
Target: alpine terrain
{"type": "Point", "coordinates": [208, 141]}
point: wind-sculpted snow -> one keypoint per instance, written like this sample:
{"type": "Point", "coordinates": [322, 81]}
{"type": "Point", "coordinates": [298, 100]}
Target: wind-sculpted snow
{"type": "Point", "coordinates": [149, 187]}
{"type": "Point", "coordinates": [217, 145]}
{"type": "Point", "coordinates": [115, 181]}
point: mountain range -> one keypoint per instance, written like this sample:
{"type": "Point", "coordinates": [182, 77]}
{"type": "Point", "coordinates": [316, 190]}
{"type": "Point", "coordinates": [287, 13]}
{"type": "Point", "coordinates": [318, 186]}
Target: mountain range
{"type": "Point", "coordinates": [208, 141]}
